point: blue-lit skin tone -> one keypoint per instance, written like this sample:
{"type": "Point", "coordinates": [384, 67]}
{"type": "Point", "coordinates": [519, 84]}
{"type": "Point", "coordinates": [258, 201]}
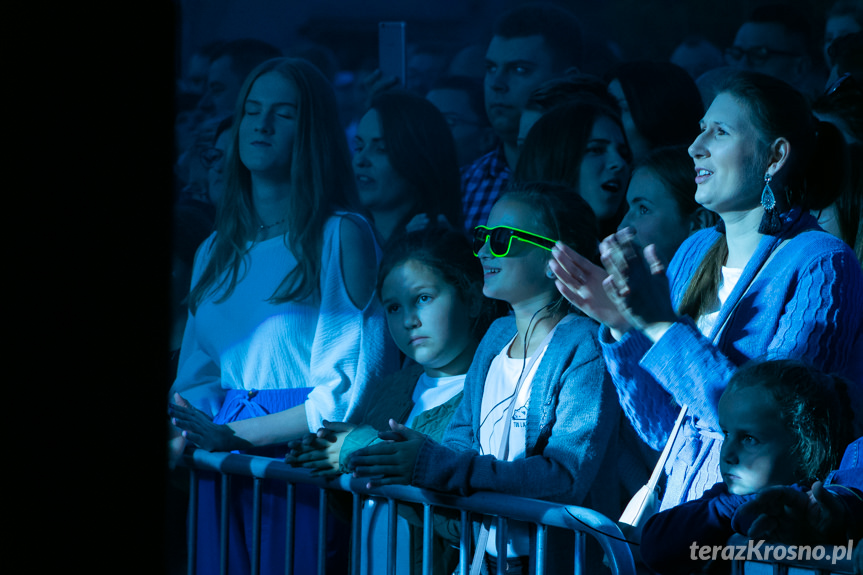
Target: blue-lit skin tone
{"type": "Point", "coordinates": [519, 278]}
{"type": "Point", "coordinates": [223, 87]}
{"type": "Point", "coordinates": [382, 190]}
{"type": "Point", "coordinates": [757, 451]}
{"type": "Point", "coordinates": [431, 324]}
{"type": "Point", "coordinates": [215, 174]}
{"type": "Point", "coordinates": [514, 67]}
{"type": "Point", "coordinates": [428, 319]}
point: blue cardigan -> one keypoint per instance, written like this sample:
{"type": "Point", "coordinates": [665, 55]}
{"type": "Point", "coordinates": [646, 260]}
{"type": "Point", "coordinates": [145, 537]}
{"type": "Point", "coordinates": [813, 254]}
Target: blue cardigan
{"type": "Point", "coordinates": [806, 304]}
{"type": "Point", "coordinates": [575, 429]}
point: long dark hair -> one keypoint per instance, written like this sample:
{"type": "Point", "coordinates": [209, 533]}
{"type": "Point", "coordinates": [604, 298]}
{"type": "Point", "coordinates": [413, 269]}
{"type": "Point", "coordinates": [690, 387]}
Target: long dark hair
{"type": "Point", "coordinates": [321, 180]}
{"type": "Point", "coordinates": [421, 150]}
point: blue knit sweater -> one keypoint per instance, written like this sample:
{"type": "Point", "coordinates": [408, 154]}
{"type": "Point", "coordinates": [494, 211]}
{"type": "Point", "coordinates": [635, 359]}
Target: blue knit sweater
{"type": "Point", "coordinates": [573, 436]}
{"type": "Point", "coordinates": [806, 304]}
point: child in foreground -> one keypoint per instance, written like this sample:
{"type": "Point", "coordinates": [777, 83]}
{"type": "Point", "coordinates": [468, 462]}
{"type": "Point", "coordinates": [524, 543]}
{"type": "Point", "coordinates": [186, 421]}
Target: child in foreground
{"type": "Point", "coordinates": [537, 378]}
{"type": "Point", "coordinates": [785, 424]}
{"type": "Point", "coordinates": [430, 285]}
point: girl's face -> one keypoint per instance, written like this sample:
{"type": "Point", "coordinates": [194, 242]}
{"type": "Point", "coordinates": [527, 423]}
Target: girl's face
{"type": "Point", "coordinates": [268, 126]}
{"type": "Point", "coordinates": [379, 186]}
{"type": "Point", "coordinates": [727, 169]}
{"type": "Point", "coordinates": [604, 171]}
{"type": "Point", "coordinates": [428, 319]}
{"type": "Point", "coordinates": [520, 276]}
{"type": "Point", "coordinates": [757, 450]}
{"type": "Point", "coordinates": [654, 214]}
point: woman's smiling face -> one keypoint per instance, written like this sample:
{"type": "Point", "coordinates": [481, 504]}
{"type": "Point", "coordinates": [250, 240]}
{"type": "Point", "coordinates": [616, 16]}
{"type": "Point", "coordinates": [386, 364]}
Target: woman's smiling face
{"type": "Point", "coordinates": [728, 169]}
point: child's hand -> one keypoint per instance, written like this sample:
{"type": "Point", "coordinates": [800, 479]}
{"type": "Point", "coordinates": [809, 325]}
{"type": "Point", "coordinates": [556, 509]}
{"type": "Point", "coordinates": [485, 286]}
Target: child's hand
{"type": "Point", "coordinates": [198, 428]}
{"type": "Point", "coordinates": [787, 515]}
{"type": "Point", "coordinates": [392, 461]}
{"type": "Point", "coordinates": [320, 451]}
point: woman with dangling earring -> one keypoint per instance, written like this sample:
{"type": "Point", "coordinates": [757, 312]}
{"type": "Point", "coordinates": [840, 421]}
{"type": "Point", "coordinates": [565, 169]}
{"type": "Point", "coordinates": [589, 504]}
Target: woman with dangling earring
{"type": "Point", "coordinates": [766, 282]}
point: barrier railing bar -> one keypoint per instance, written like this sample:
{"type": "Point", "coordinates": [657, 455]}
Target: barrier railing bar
{"type": "Point", "coordinates": [536, 511]}
{"type": "Point", "coordinates": [580, 549]}
{"type": "Point", "coordinates": [464, 544]}
{"type": "Point", "coordinates": [192, 523]}
{"type": "Point", "coordinates": [290, 508]}
{"type": "Point", "coordinates": [322, 532]}
{"type": "Point", "coordinates": [223, 524]}
{"type": "Point", "coordinates": [356, 533]}
{"type": "Point", "coordinates": [392, 532]}
{"type": "Point", "coordinates": [428, 533]}
{"type": "Point", "coordinates": [541, 534]}
{"type": "Point", "coordinates": [500, 543]}
{"type": "Point", "coordinates": [256, 526]}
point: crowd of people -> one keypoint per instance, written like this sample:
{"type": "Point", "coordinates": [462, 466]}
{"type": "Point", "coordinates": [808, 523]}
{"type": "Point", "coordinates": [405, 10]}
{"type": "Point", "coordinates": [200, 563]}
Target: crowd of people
{"type": "Point", "coordinates": [530, 280]}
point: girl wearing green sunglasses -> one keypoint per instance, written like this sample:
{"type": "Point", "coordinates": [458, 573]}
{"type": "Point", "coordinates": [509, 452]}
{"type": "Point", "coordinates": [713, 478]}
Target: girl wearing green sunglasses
{"type": "Point", "coordinates": [539, 416]}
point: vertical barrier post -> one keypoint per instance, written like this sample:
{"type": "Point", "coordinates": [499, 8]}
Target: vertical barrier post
{"type": "Point", "coordinates": [464, 546]}
{"type": "Point", "coordinates": [428, 533]}
{"type": "Point", "coordinates": [539, 556]}
{"type": "Point", "coordinates": [500, 541]}
{"type": "Point", "coordinates": [223, 524]}
{"type": "Point", "coordinates": [392, 534]}
{"type": "Point", "coordinates": [192, 524]}
{"type": "Point", "coordinates": [291, 504]}
{"type": "Point", "coordinates": [579, 552]}
{"type": "Point", "coordinates": [356, 534]}
{"type": "Point", "coordinates": [322, 532]}
{"type": "Point", "coordinates": [256, 526]}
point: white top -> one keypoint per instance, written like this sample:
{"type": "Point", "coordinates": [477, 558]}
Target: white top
{"type": "Point", "coordinates": [730, 277]}
{"type": "Point", "coordinates": [497, 394]}
{"type": "Point", "coordinates": [431, 392]}
{"type": "Point", "coordinates": [247, 342]}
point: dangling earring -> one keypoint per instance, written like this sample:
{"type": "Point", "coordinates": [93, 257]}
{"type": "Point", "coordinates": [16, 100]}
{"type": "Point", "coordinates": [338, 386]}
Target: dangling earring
{"type": "Point", "coordinates": [770, 223]}
{"type": "Point", "coordinates": [768, 200]}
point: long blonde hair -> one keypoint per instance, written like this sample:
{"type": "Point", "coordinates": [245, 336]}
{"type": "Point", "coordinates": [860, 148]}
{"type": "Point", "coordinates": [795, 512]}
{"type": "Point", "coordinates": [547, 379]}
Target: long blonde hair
{"type": "Point", "coordinates": [321, 182]}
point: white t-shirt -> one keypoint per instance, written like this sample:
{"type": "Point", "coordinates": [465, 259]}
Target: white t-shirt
{"type": "Point", "coordinates": [431, 392]}
{"type": "Point", "coordinates": [497, 394]}
{"type": "Point", "coordinates": [730, 277]}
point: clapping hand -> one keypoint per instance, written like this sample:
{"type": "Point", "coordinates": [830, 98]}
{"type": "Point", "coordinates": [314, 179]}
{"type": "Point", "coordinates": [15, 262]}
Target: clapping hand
{"type": "Point", "coordinates": [581, 282]}
{"type": "Point", "coordinates": [391, 461]}
{"type": "Point", "coordinates": [636, 281]}
{"type": "Point", "coordinates": [320, 451]}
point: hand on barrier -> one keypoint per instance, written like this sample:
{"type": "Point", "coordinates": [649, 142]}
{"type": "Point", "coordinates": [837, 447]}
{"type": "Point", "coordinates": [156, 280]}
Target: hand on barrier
{"type": "Point", "coordinates": [198, 428]}
{"type": "Point", "coordinates": [320, 451]}
{"type": "Point", "coordinates": [787, 515]}
{"type": "Point", "coordinates": [391, 461]}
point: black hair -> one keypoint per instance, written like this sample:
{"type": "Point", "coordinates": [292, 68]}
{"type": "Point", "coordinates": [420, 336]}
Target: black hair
{"type": "Point", "coordinates": [558, 27]}
{"type": "Point", "coordinates": [421, 149]}
{"type": "Point", "coordinates": [245, 54]}
{"type": "Point", "coordinates": [663, 99]}
{"type": "Point", "coordinates": [572, 87]}
{"type": "Point", "coordinates": [814, 407]}
{"type": "Point", "coordinates": [472, 87]}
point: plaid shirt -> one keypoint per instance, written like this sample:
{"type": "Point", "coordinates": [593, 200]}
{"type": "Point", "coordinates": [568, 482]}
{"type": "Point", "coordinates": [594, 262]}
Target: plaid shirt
{"type": "Point", "coordinates": [482, 181]}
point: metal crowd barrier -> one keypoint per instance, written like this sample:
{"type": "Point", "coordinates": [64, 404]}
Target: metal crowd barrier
{"type": "Point", "coordinates": [542, 514]}
{"type": "Point", "coordinates": [798, 560]}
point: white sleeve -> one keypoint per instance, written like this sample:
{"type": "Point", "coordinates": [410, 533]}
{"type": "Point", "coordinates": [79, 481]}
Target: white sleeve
{"type": "Point", "coordinates": [351, 346]}
{"type": "Point", "coordinates": [198, 373]}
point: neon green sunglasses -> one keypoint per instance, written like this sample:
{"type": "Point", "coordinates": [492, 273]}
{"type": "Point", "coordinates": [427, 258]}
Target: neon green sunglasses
{"type": "Point", "coordinates": [500, 239]}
